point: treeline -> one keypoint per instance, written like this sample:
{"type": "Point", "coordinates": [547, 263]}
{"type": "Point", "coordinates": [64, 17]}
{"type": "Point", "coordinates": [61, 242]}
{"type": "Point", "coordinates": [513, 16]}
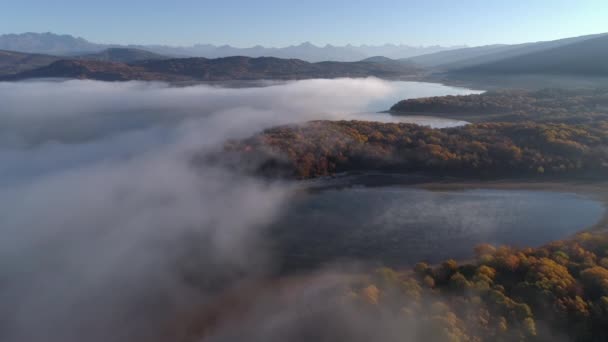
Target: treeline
{"type": "Point", "coordinates": [557, 292]}
{"type": "Point", "coordinates": [322, 148]}
{"type": "Point", "coordinates": [548, 105]}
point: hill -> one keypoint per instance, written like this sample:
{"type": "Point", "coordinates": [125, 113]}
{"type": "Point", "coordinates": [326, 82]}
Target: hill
{"type": "Point", "coordinates": [379, 59]}
{"type": "Point", "coordinates": [12, 62]}
{"type": "Point", "coordinates": [220, 69]}
{"type": "Point", "coordinates": [488, 150]}
{"type": "Point", "coordinates": [584, 58]}
{"type": "Point", "coordinates": [94, 70]}
{"type": "Point", "coordinates": [246, 68]}
{"type": "Point", "coordinates": [469, 57]}
{"type": "Point", "coordinates": [578, 106]}
{"type": "Point", "coordinates": [15, 62]}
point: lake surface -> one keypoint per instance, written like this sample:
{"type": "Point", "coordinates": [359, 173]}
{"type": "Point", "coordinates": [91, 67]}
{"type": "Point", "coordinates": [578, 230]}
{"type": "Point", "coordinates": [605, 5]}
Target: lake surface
{"type": "Point", "coordinates": [399, 225]}
{"type": "Point", "coordinates": [403, 90]}
{"type": "Point", "coordinates": [429, 121]}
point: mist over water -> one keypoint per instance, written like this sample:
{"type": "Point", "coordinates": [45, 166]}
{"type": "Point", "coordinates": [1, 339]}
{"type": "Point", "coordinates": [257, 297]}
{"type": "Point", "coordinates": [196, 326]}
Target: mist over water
{"type": "Point", "coordinates": [103, 214]}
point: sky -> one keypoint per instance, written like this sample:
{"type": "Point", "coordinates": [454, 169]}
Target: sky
{"type": "Point", "coordinates": [287, 22]}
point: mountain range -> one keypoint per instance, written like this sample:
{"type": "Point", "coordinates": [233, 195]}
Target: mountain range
{"type": "Point", "coordinates": [54, 44]}
{"type": "Point", "coordinates": [580, 57]}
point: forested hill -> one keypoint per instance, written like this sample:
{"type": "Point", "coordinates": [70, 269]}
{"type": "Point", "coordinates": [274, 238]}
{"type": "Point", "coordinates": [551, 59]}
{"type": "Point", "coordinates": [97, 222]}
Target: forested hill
{"type": "Point", "coordinates": [220, 69]}
{"type": "Point", "coordinates": [546, 105]}
{"type": "Point", "coordinates": [15, 62]}
{"type": "Point", "coordinates": [12, 62]}
{"type": "Point", "coordinates": [509, 150]}
{"type": "Point", "coordinates": [122, 55]}
{"type": "Point", "coordinates": [558, 292]}
{"type": "Point", "coordinates": [473, 56]}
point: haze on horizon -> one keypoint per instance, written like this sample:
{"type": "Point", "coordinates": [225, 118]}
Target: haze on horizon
{"type": "Point", "coordinates": [274, 23]}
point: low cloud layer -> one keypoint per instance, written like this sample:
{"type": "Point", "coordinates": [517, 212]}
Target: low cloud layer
{"type": "Point", "coordinates": [37, 112]}
{"type": "Point", "coordinates": [103, 217]}
{"type": "Point", "coordinates": [64, 124]}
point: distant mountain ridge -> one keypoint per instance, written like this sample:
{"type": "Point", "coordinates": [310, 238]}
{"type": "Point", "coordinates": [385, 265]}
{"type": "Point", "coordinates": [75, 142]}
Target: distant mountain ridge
{"type": "Point", "coordinates": [305, 51]}
{"type": "Point", "coordinates": [50, 43]}
{"type": "Point", "coordinates": [565, 60]}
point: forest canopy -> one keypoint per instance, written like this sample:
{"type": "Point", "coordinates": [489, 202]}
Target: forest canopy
{"type": "Point", "coordinates": [547, 106]}
{"type": "Point", "coordinates": [323, 148]}
{"type": "Point", "coordinates": [556, 292]}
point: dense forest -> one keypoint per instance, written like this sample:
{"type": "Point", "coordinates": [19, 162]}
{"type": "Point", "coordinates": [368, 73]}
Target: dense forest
{"type": "Point", "coordinates": [322, 148]}
{"type": "Point", "coordinates": [548, 105]}
{"type": "Point", "coordinates": [557, 292]}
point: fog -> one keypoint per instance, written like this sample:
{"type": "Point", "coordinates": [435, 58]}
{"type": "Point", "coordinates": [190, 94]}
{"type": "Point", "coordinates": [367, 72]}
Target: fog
{"type": "Point", "coordinates": [38, 112]}
{"type": "Point", "coordinates": [103, 216]}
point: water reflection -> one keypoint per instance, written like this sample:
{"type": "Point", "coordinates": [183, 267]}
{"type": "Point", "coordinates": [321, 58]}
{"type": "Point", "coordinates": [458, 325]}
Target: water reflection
{"type": "Point", "coordinates": [401, 225]}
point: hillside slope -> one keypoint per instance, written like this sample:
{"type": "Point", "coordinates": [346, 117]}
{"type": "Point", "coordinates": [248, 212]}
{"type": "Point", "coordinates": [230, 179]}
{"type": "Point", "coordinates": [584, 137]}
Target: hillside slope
{"type": "Point", "coordinates": [15, 62]}
{"type": "Point", "coordinates": [122, 55]}
{"type": "Point", "coordinates": [585, 58]}
{"type": "Point", "coordinates": [94, 70]}
{"type": "Point", "coordinates": [468, 57]}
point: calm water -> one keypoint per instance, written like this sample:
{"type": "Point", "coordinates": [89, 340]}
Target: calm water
{"type": "Point", "coordinates": [401, 90]}
{"type": "Point", "coordinates": [404, 90]}
{"type": "Point", "coordinates": [430, 121]}
{"type": "Point", "coordinates": [400, 225]}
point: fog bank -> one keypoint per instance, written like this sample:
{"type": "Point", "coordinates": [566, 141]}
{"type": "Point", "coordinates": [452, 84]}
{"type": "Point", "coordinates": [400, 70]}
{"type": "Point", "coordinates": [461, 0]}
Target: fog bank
{"type": "Point", "coordinates": [105, 221]}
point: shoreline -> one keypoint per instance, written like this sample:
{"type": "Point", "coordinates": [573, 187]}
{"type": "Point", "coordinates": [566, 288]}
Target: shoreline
{"type": "Point", "coordinates": [470, 118]}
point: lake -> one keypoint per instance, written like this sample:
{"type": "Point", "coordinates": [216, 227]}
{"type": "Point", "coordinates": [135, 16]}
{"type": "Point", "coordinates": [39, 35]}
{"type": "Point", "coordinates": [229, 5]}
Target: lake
{"type": "Point", "coordinates": [404, 90]}
{"type": "Point", "coordinates": [400, 225]}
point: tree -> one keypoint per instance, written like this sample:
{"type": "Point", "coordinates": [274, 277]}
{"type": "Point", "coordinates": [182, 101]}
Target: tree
{"type": "Point", "coordinates": [595, 280]}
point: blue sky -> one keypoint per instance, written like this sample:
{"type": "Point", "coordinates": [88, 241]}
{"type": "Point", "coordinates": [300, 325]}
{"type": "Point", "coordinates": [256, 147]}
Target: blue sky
{"type": "Point", "coordinates": [286, 22]}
